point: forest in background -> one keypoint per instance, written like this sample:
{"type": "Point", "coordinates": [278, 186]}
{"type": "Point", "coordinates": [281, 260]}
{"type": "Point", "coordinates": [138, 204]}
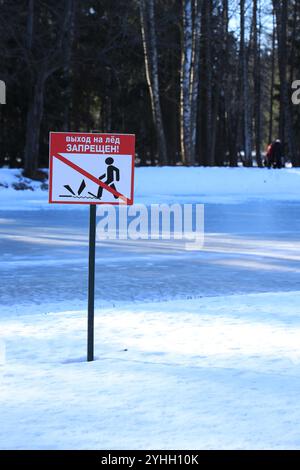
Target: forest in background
{"type": "Point", "coordinates": [200, 82]}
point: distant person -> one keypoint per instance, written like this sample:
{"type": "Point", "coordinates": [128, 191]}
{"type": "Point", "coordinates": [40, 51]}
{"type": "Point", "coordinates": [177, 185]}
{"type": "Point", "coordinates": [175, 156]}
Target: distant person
{"type": "Point", "coordinates": [274, 156]}
{"type": "Point", "coordinates": [277, 153]}
{"type": "Point", "coordinates": [268, 161]}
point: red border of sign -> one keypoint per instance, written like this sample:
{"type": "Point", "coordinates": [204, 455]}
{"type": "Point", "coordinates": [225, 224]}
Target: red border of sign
{"type": "Point", "coordinates": [129, 201]}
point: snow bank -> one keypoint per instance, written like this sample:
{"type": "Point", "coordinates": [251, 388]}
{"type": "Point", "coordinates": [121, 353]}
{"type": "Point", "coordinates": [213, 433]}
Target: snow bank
{"type": "Point", "coordinates": [201, 181]}
{"type": "Point", "coordinates": [11, 198]}
{"type": "Point", "coordinates": [10, 177]}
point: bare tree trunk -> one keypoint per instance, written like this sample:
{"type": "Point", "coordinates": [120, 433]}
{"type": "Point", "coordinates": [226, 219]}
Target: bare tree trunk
{"type": "Point", "coordinates": [151, 67]}
{"type": "Point", "coordinates": [271, 111]}
{"type": "Point", "coordinates": [30, 163]}
{"type": "Point", "coordinates": [245, 90]}
{"type": "Point", "coordinates": [293, 40]}
{"type": "Point", "coordinates": [257, 81]}
{"type": "Point", "coordinates": [218, 151]}
{"type": "Point", "coordinates": [185, 80]}
{"type": "Point", "coordinates": [68, 67]}
{"type": "Point", "coordinates": [43, 68]}
{"type": "Point", "coordinates": [229, 126]}
{"type": "Point", "coordinates": [33, 126]}
{"type": "Point", "coordinates": [286, 126]}
{"type": "Point", "coordinates": [29, 32]}
{"type": "Point", "coordinates": [194, 85]}
{"type": "Point", "coordinates": [189, 79]}
{"type": "Point", "coordinates": [209, 85]}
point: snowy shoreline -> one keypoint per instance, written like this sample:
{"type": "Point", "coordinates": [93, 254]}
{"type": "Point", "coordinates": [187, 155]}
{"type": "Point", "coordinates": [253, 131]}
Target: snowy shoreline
{"type": "Point", "coordinates": [167, 184]}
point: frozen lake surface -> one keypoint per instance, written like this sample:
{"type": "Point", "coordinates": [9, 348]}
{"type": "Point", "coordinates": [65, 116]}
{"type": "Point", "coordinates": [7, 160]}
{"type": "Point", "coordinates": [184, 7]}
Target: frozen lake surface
{"type": "Point", "coordinates": [249, 247]}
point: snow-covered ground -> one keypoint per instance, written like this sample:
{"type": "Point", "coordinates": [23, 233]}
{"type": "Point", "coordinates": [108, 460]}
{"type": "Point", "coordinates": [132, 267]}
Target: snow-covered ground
{"type": "Point", "coordinates": [213, 373]}
{"type": "Point", "coordinates": [194, 349]}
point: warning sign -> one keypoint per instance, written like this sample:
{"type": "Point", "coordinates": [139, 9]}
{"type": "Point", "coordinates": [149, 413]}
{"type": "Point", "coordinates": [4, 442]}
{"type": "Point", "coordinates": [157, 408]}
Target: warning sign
{"type": "Point", "coordinates": [90, 168]}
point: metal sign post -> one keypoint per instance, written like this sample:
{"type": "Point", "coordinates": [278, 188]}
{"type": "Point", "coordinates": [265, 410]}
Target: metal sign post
{"type": "Point", "coordinates": [91, 284]}
{"type": "Point", "coordinates": [91, 168]}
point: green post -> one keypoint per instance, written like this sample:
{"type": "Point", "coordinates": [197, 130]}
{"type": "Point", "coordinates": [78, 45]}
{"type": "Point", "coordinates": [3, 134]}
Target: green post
{"type": "Point", "coordinates": [91, 287]}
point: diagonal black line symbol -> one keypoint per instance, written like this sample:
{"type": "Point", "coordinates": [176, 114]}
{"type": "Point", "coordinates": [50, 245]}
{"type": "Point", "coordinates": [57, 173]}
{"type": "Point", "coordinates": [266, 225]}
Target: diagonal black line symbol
{"type": "Point", "coordinates": [69, 189]}
{"type": "Point", "coordinates": [82, 186]}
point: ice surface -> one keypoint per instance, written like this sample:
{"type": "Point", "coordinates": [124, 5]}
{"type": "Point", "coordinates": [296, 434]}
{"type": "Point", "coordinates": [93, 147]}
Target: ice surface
{"type": "Point", "coordinates": [249, 247]}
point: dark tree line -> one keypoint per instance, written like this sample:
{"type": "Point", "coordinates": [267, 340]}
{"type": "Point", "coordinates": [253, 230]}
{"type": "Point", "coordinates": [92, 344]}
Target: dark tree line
{"type": "Point", "coordinates": [200, 82]}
